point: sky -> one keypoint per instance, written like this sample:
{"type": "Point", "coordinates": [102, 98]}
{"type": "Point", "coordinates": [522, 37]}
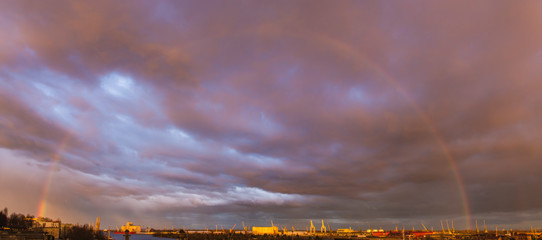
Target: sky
{"type": "Point", "coordinates": [367, 114]}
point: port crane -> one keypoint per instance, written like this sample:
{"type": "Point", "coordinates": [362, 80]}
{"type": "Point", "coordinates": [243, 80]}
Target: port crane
{"type": "Point", "coordinates": [424, 227]}
{"type": "Point", "coordinates": [323, 228]}
{"type": "Point", "coordinates": [98, 223]}
{"type": "Point", "coordinates": [313, 229]}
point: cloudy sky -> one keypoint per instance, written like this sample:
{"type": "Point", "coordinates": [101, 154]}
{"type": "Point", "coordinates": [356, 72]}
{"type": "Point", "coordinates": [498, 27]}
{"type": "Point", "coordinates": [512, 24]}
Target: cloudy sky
{"type": "Point", "coordinates": [361, 113]}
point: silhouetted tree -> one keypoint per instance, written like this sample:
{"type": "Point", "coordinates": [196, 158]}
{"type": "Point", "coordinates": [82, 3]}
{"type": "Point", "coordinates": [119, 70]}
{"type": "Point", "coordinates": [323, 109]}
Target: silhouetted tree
{"type": "Point", "coordinates": [84, 232]}
{"type": "Point", "coordinates": [19, 221]}
{"type": "Point", "coordinates": [4, 218]}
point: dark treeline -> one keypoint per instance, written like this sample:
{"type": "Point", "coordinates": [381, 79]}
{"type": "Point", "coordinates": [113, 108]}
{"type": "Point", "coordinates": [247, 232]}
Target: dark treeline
{"type": "Point", "coordinates": [16, 223]}
{"type": "Point", "coordinates": [83, 232]}
{"type": "Point", "coordinates": [15, 220]}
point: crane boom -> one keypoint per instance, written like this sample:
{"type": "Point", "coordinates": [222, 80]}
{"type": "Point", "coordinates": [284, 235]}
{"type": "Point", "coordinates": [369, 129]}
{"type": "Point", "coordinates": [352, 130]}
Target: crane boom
{"type": "Point", "coordinates": [424, 227]}
{"type": "Point", "coordinates": [98, 223]}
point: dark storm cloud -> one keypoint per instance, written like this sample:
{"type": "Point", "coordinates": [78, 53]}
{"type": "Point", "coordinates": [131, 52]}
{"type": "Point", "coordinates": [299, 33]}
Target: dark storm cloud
{"type": "Point", "coordinates": [288, 110]}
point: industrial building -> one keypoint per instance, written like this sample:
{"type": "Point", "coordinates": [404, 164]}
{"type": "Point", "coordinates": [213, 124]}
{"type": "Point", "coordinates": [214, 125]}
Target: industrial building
{"type": "Point", "coordinates": [131, 227]}
{"type": "Point", "coordinates": [50, 227]}
{"type": "Point", "coordinates": [265, 230]}
{"type": "Point", "coordinates": [345, 230]}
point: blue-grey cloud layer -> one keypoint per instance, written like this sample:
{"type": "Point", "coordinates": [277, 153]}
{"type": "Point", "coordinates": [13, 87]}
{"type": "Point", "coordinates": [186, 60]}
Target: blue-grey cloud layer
{"type": "Point", "coordinates": [215, 112]}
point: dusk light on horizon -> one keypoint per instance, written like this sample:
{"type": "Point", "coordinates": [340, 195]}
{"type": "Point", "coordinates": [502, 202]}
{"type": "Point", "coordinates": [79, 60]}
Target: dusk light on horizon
{"type": "Point", "coordinates": [367, 114]}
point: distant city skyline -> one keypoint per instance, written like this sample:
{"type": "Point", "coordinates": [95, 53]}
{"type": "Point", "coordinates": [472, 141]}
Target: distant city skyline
{"type": "Point", "coordinates": [370, 114]}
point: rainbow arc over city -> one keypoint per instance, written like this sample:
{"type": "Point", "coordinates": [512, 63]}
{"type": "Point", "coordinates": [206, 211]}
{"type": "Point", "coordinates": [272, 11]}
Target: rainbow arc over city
{"type": "Point", "coordinates": [42, 205]}
{"type": "Point", "coordinates": [361, 59]}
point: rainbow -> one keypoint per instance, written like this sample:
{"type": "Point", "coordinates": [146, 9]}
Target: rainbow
{"type": "Point", "coordinates": [362, 59]}
{"type": "Point", "coordinates": [42, 205]}
{"type": "Point", "coordinates": [446, 151]}
{"type": "Point", "coordinates": [349, 51]}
